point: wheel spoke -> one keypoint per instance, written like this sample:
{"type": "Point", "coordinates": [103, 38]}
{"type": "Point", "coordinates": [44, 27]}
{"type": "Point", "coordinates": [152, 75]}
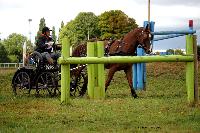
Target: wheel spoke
{"type": "Point", "coordinates": [42, 80]}
{"type": "Point", "coordinates": [19, 79]}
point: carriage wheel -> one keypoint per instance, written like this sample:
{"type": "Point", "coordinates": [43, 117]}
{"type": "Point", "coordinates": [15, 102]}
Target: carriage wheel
{"type": "Point", "coordinates": [21, 84]}
{"type": "Point", "coordinates": [45, 84]}
{"type": "Point", "coordinates": [79, 84]}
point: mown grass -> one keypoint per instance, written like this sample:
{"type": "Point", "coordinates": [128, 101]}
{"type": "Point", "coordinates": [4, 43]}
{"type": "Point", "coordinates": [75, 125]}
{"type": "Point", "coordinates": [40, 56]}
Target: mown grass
{"type": "Point", "coordinates": [162, 108]}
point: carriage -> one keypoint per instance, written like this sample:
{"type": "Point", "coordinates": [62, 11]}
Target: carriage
{"type": "Point", "coordinates": [40, 78]}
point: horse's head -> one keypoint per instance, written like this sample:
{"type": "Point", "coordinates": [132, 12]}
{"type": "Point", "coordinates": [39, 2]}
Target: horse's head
{"type": "Point", "coordinates": [144, 39]}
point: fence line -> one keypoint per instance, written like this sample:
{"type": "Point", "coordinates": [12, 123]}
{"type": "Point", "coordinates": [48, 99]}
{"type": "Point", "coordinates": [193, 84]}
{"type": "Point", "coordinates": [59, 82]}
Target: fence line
{"type": "Point", "coordinates": [10, 65]}
{"type": "Point", "coordinates": [65, 62]}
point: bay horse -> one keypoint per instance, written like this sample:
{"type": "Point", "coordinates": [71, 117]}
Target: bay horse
{"type": "Point", "coordinates": [125, 47]}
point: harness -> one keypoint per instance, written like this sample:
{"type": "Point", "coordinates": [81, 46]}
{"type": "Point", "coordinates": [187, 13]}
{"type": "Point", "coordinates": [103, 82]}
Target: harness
{"type": "Point", "coordinates": [119, 51]}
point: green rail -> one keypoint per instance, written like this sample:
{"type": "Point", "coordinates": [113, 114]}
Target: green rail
{"type": "Point", "coordinates": [126, 59]}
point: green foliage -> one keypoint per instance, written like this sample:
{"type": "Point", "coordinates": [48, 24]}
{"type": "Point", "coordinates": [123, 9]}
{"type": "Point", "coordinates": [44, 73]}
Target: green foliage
{"type": "Point", "coordinates": [115, 24]}
{"type": "Point", "coordinates": [175, 52]}
{"type": "Point", "coordinates": [77, 30]}
{"type": "Point", "coordinates": [61, 26]}
{"type": "Point", "coordinates": [179, 52]}
{"type": "Point", "coordinates": [112, 24]}
{"type": "Point", "coordinates": [13, 58]}
{"type": "Point", "coordinates": [157, 53]}
{"type": "Point", "coordinates": [3, 54]}
{"type": "Point", "coordinates": [41, 26]}
{"type": "Point", "coordinates": [170, 51]}
{"type": "Point", "coordinates": [66, 31]}
{"type": "Point", "coordinates": [13, 44]}
{"type": "Point", "coordinates": [29, 46]}
{"type": "Point", "coordinates": [54, 34]}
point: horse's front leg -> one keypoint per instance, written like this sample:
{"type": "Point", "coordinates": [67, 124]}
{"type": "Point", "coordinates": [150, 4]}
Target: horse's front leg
{"type": "Point", "coordinates": [111, 73]}
{"type": "Point", "coordinates": [129, 78]}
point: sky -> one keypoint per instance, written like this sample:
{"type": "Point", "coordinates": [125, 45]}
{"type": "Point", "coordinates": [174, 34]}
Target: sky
{"type": "Point", "coordinates": [167, 14]}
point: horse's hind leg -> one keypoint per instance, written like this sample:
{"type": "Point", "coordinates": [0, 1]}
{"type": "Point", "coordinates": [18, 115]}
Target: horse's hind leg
{"type": "Point", "coordinates": [111, 73]}
{"type": "Point", "coordinates": [129, 78]}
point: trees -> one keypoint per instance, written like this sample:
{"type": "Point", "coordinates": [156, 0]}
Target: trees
{"type": "Point", "coordinates": [61, 26]}
{"type": "Point", "coordinates": [112, 24]}
{"type": "Point", "coordinates": [54, 34]}
{"type": "Point", "coordinates": [41, 26]}
{"type": "Point", "coordinates": [175, 52]}
{"type": "Point", "coordinates": [3, 54]}
{"type": "Point", "coordinates": [170, 51]}
{"type": "Point", "coordinates": [179, 52]}
{"type": "Point", "coordinates": [13, 45]}
{"type": "Point", "coordinates": [115, 24]}
{"type": "Point", "coordinates": [77, 30]}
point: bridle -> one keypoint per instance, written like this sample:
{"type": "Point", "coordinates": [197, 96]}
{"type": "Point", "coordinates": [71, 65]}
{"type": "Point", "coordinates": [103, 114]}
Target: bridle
{"type": "Point", "coordinates": [142, 35]}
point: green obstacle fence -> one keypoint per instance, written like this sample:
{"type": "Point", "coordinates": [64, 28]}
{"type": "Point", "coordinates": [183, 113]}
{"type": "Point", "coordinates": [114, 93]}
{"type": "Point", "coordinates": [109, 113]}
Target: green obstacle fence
{"type": "Point", "coordinates": [96, 61]}
{"type": "Point", "coordinates": [96, 79]}
{"type": "Point", "coordinates": [65, 73]}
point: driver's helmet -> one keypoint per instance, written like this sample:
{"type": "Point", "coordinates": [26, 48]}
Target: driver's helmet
{"type": "Point", "coordinates": [45, 29]}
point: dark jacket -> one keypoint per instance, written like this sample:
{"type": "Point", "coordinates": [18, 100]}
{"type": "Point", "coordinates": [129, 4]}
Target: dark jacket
{"type": "Point", "coordinates": [40, 44]}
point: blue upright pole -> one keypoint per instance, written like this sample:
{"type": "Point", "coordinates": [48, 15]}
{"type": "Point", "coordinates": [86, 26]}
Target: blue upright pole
{"type": "Point", "coordinates": [140, 70]}
{"type": "Point", "coordinates": [141, 67]}
{"type": "Point", "coordinates": [134, 76]}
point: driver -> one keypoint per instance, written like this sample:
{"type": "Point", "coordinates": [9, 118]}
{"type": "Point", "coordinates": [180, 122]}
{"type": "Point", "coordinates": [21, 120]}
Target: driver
{"type": "Point", "coordinates": [44, 45]}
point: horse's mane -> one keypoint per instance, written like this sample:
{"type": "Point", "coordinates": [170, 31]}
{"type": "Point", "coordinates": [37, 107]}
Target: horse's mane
{"type": "Point", "coordinates": [133, 30]}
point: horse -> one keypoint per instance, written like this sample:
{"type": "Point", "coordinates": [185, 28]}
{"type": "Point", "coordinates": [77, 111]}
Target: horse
{"type": "Point", "coordinates": [138, 37]}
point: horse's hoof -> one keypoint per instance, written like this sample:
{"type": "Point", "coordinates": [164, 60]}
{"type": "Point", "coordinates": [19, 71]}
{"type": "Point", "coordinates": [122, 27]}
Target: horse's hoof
{"type": "Point", "coordinates": [135, 96]}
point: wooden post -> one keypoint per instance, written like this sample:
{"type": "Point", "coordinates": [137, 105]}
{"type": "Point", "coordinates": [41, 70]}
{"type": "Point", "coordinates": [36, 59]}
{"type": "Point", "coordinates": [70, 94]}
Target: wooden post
{"type": "Point", "coordinates": [196, 90]}
{"type": "Point", "coordinates": [96, 70]}
{"type": "Point", "coordinates": [65, 73]}
{"type": "Point", "coordinates": [90, 69]}
{"type": "Point", "coordinates": [96, 77]}
{"type": "Point", "coordinates": [101, 75]}
{"type": "Point", "coordinates": [190, 70]}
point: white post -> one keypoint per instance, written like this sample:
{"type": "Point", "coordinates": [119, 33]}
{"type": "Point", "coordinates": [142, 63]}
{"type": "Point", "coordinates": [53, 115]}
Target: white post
{"type": "Point", "coordinates": [88, 34]}
{"type": "Point", "coordinates": [149, 10]}
{"type": "Point", "coordinates": [24, 53]}
{"type": "Point", "coordinates": [71, 50]}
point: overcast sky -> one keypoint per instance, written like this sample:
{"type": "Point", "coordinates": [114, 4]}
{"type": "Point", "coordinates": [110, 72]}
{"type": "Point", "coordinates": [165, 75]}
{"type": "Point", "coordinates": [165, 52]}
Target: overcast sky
{"type": "Point", "coordinates": [166, 13]}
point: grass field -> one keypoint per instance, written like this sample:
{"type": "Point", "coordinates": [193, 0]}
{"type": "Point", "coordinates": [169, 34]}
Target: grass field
{"type": "Point", "coordinates": [162, 108]}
